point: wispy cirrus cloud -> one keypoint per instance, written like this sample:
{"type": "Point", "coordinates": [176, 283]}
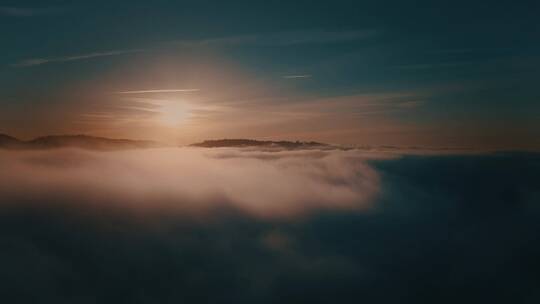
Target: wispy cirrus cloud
{"type": "Point", "coordinates": [289, 38]}
{"type": "Point", "coordinates": [428, 66]}
{"type": "Point", "coordinates": [40, 61]}
{"type": "Point", "coordinates": [158, 91]}
{"type": "Point", "coordinates": [26, 12]}
{"type": "Point", "coordinates": [297, 76]}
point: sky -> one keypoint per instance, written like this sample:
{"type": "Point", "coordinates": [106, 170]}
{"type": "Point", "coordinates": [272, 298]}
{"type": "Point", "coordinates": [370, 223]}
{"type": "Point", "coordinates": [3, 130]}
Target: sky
{"type": "Point", "coordinates": [414, 73]}
{"type": "Point", "coordinates": [185, 225]}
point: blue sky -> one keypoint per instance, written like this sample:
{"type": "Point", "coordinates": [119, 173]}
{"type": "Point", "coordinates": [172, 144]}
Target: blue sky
{"type": "Point", "coordinates": [352, 72]}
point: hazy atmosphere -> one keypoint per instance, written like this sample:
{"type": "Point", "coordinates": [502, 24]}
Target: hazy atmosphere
{"type": "Point", "coordinates": [428, 73]}
{"type": "Point", "coordinates": [269, 152]}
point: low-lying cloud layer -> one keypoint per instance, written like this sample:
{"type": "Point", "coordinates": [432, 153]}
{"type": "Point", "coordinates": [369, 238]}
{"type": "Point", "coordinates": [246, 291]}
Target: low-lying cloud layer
{"type": "Point", "coordinates": [441, 229]}
{"type": "Point", "coordinates": [262, 184]}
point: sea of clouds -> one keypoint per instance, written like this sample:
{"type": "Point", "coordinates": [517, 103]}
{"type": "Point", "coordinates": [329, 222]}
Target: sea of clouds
{"type": "Point", "coordinates": [259, 183]}
{"type": "Point", "coordinates": [190, 225]}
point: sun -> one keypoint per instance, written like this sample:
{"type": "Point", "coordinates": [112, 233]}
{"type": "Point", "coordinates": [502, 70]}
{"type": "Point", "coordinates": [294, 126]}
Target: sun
{"type": "Point", "coordinates": [173, 113]}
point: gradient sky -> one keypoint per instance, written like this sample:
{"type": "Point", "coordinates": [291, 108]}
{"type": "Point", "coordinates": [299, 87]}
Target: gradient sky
{"type": "Point", "coordinates": [430, 73]}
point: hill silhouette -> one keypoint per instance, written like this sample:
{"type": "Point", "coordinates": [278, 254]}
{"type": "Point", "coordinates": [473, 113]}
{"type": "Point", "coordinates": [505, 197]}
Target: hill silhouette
{"type": "Point", "coordinates": [220, 143]}
{"type": "Point", "coordinates": [74, 141]}
{"type": "Point", "coordinates": [7, 141]}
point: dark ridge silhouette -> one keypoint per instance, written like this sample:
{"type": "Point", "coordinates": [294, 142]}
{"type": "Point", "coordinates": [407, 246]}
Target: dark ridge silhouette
{"type": "Point", "coordinates": [102, 143]}
{"type": "Point", "coordinates": [220, 143]}
{"type": "Point", "coordinates": [75, 141]}
{"type": "Point", "coordinates": [9, 142]}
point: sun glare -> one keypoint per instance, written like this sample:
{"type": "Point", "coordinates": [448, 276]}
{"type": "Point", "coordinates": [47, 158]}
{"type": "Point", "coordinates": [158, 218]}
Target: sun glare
{"type": "Point", "coordinates": [173, 113]}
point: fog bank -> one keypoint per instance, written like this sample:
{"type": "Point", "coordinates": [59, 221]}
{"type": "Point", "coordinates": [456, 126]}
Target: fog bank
{"type": "Point", "coordinates": [262, 184]}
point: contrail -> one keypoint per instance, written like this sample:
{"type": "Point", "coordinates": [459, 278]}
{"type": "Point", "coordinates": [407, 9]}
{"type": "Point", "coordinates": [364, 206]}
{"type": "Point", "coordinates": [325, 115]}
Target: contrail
{"type": "Point", "coordinates": [158, 91]}
{"type": "Point", "coordinates": [39, 61]}
{"type": "Point", "coordinates": [297, 76]}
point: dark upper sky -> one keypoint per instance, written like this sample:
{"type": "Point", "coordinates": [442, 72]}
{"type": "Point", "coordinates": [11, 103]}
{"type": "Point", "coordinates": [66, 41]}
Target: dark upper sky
{"type": "Point", "coordinates": [450, 73]}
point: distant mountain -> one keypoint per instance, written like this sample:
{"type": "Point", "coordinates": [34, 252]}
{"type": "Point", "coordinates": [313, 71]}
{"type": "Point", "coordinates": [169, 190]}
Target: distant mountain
{"type": "Point", "coordinates": [102, 143]}
{"type": "Point", "coordinates": [7, 141]}
{"type": "Point", "coordinates": [75, 141]}
{"type": "Point", "coordinates": [220, 143]}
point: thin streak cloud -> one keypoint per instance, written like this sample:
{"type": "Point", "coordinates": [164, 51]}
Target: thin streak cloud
{"type": "Point", "coordinates": [159, 91]}
{"type": "Point", "coordinates": [290, 38]}
{"type": "Point", "coordinates": [40, 61]}
{"type": "Point", "coordinates": [297, 76]}
{"type": "Point", "coordinates": [433, 66]}
{"type": "Point", "coordinates": [26, 12]}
